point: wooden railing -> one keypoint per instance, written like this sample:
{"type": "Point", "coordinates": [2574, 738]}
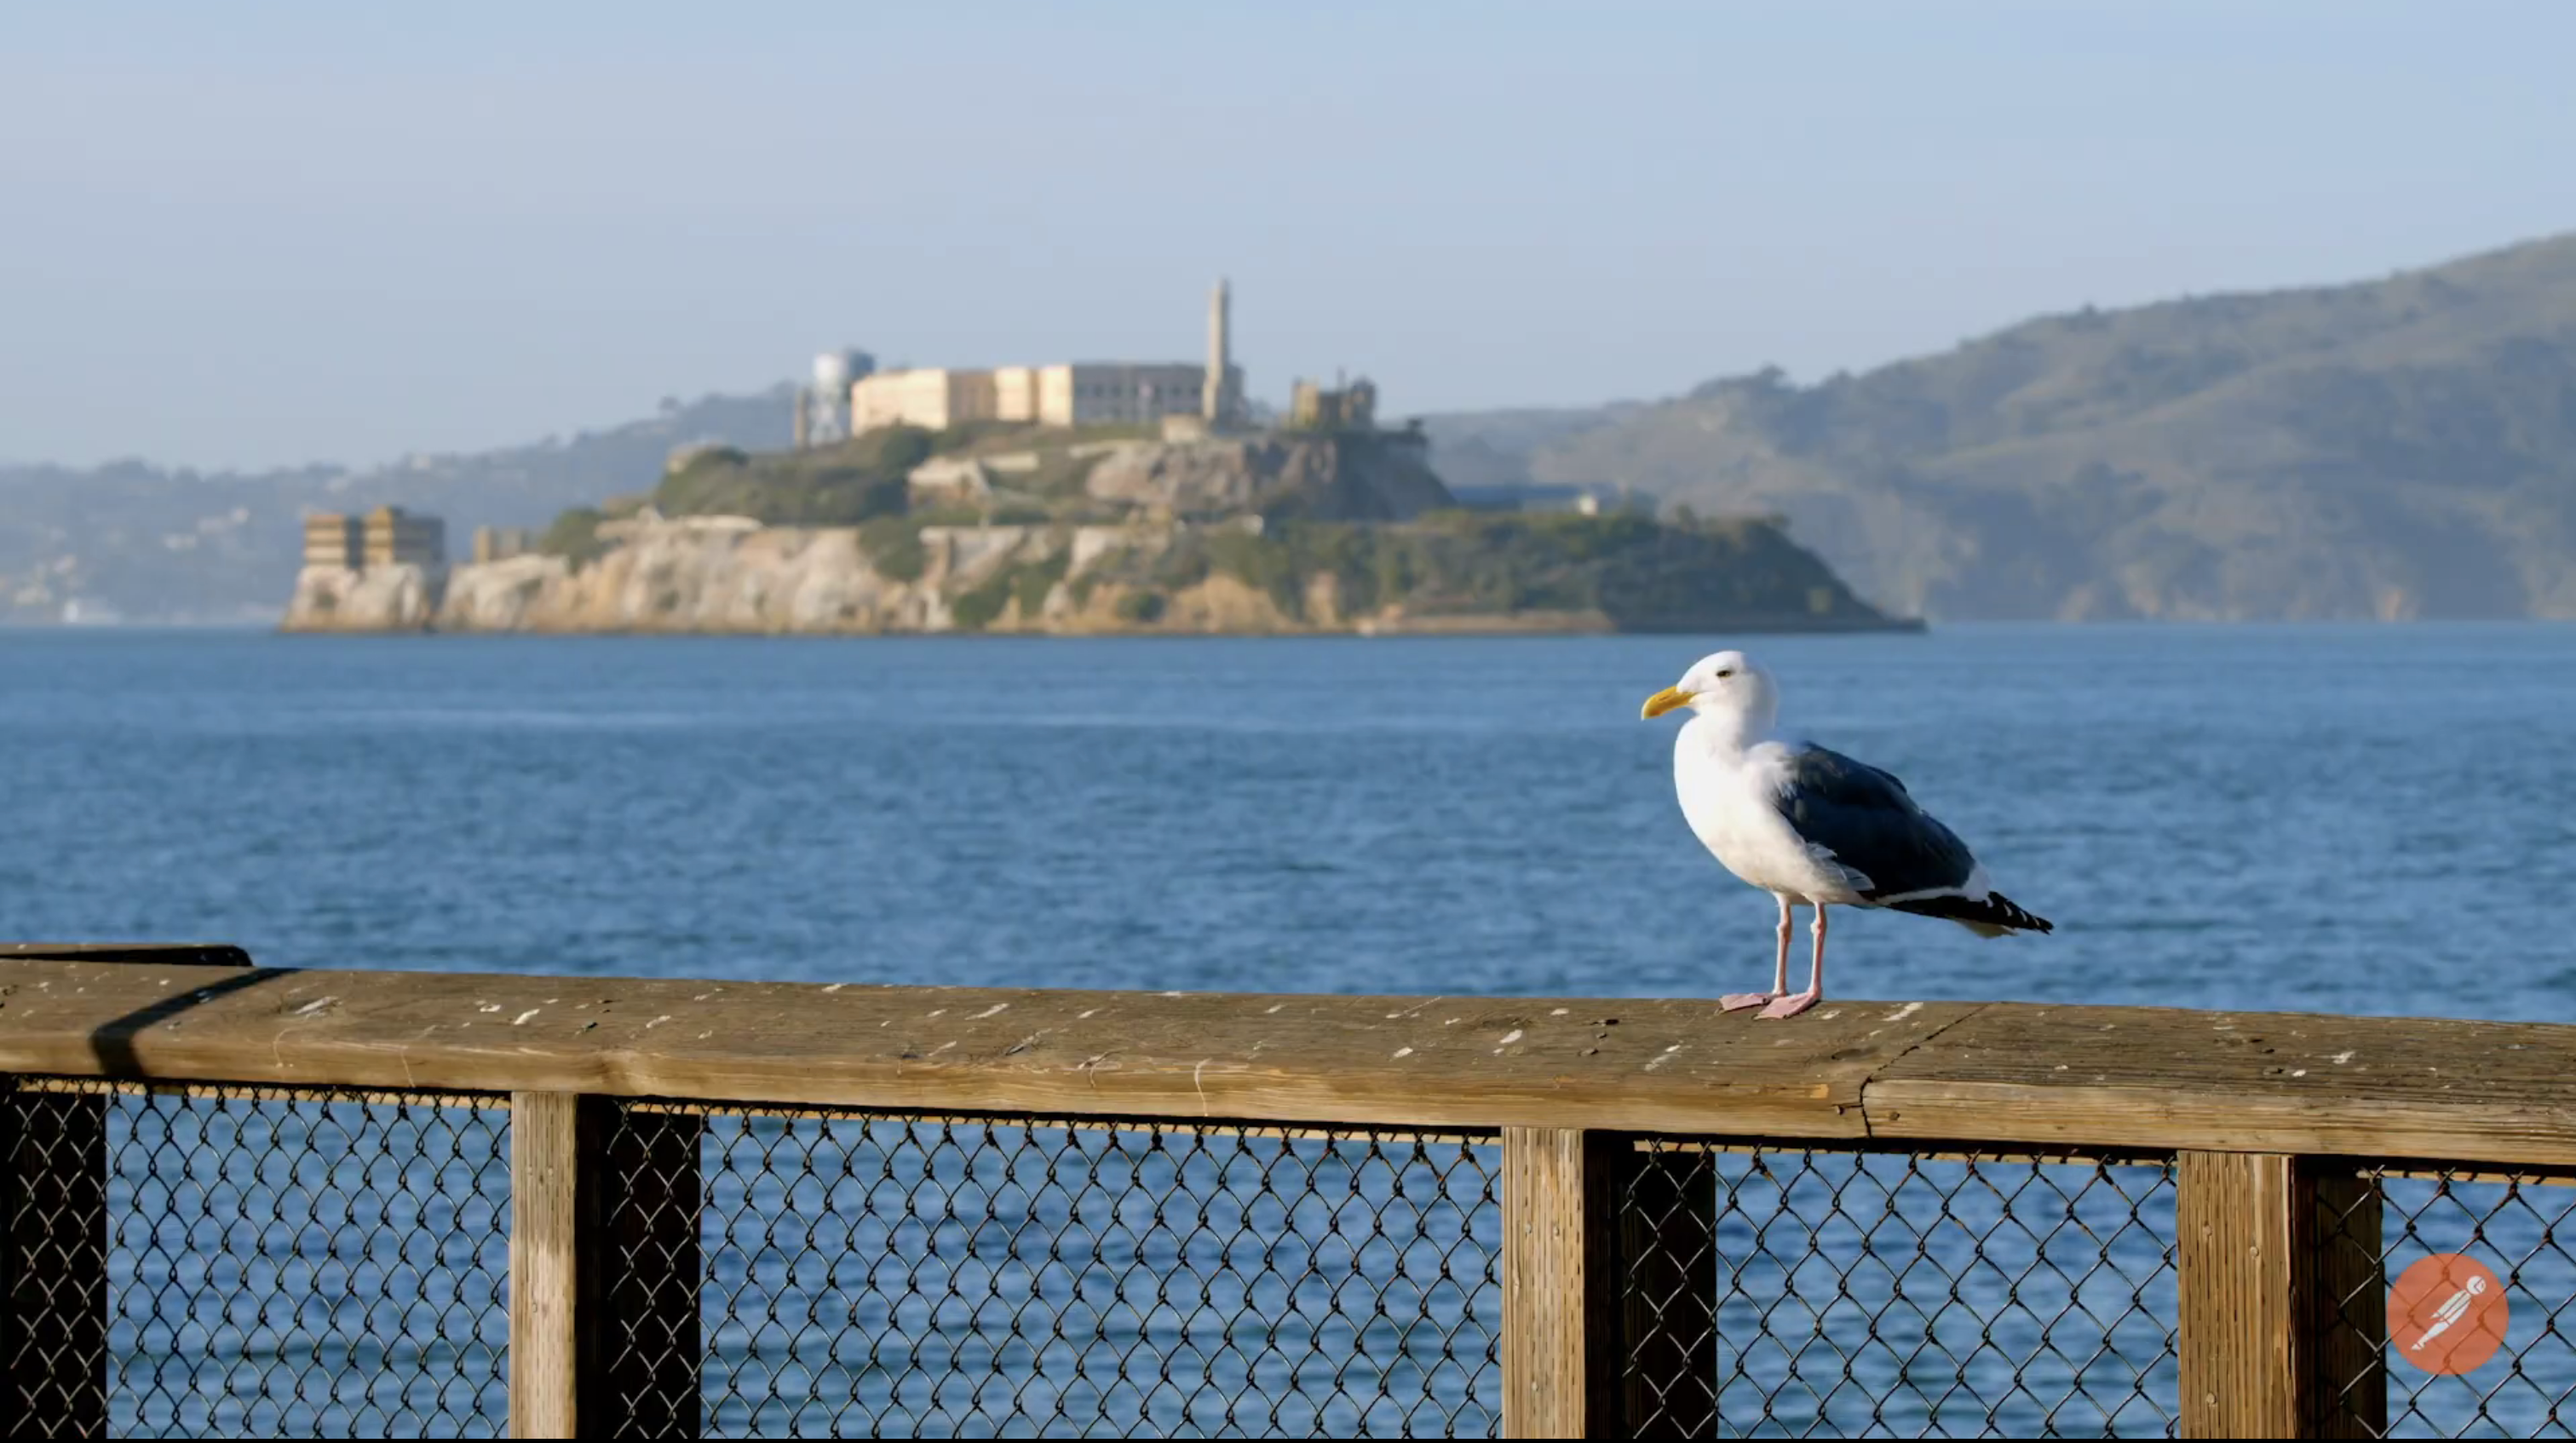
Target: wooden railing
{"type": "Point", "coordinates": [2261, 1118]}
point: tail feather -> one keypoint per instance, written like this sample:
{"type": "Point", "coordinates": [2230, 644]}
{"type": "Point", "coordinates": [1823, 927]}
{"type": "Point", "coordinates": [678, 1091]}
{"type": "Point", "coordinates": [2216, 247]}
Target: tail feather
{"type": "Point", "coordinates": [1992, 915]}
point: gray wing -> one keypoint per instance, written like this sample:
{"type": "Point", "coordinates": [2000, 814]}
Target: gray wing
{"type": "Point", "coordinates": [1864, 819]}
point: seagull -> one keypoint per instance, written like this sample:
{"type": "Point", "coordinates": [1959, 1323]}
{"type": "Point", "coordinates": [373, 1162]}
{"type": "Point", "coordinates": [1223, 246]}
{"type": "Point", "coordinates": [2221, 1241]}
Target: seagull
{"type": "Point", "coordinates": [1812, 826]}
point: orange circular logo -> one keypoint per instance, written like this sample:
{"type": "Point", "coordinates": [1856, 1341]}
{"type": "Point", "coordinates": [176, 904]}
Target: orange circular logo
{"type": "Point", "coordinates": [2447, 1314]}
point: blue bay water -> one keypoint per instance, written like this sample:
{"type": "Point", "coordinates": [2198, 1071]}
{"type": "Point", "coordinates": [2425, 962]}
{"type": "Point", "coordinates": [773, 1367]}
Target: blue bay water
{"type": "Point", "coordinates": [2347, 819]}
{"type": "Point", "coordinates": [2366, 820]}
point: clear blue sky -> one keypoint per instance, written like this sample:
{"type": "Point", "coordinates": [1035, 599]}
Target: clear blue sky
{"type": "Point", "coordinates": [256, 233]}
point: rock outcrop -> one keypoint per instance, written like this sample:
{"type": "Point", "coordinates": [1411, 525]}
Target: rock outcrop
{"type": "Point", "coordinates": [1317, 478]}
{"type": "Point", "coordinates": [377, 598]}
{"type": "Point", "coordinates": [900, 530]}
{"type": "Point", "coordinates": [729, 575]}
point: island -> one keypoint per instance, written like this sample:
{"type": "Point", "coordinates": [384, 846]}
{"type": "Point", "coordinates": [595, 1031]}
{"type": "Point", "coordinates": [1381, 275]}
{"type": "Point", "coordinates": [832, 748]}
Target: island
{"type": "Point", "coordinates": [1090, 530]}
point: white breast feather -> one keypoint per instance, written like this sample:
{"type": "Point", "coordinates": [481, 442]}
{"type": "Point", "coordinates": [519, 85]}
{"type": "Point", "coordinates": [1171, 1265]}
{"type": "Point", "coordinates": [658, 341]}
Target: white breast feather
{"type": "Point", "coordinates": [1732, 806]}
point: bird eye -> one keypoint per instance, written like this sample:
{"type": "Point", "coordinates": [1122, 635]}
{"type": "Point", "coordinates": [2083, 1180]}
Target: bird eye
{"type": "Point", "coordinates": [1723, 675]}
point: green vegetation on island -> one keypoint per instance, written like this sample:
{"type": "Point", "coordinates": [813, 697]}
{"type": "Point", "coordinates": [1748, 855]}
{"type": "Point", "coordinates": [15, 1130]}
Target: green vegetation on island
{"type": "Point", "coordinates": [1638, 573]}
{"type": "Point", "coordinates": [1014, 528]}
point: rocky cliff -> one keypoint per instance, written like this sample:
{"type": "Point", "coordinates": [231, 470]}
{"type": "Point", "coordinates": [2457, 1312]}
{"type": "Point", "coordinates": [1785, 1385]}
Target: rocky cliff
{"type": "Point", "coordinates": [1321, 478]}
{"type": "Point", "coordinates": [378, 598]}
{"type": "Point", "coordinates": [1006, 529]}
{"type": "Point", "coordinates": [1446, 572]}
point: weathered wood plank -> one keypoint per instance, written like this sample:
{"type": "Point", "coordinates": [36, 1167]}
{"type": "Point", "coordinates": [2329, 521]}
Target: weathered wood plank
{"type": "Point", "coordinates": [2238, 1082]}
{"type": "Point", "coordinates": [1411, 1061]}
{"type": "Point", "coordinates": [545, 1264]}
{"type": "Point", "coordinates": [2044, 1077]}
{"type": "Point", "coordinates": [1561, 1293]}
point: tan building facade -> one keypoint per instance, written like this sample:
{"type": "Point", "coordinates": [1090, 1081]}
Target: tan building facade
{"type": "Point", "coordinates": [1078, 393]}
{"type": "Point", "coordinates": [395, 537]}
{"type": "Point", "coordinates": [334, 539]}
{"type": "Point", "coordinates": [1083, 393]}
{"type": "Point", "coordinates": [1015, 394]}
{"type": "Point", "coordinates": [933, 398]}
{"type": "Point", "coordinates": [1115, 393]}
{"type": "Point", "coordinates": [386, 536]}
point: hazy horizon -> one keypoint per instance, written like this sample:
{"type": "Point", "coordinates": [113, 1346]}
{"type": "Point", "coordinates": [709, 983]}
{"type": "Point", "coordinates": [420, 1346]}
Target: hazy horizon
{"type": "Point", "coordinates": [278, 234]}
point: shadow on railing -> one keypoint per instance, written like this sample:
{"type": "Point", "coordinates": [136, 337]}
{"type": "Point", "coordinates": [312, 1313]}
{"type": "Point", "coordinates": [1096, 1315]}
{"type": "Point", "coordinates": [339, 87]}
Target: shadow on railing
{"type": "Point", "coordinates": [430, 1204]}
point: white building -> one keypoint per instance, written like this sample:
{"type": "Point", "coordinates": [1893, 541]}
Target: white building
{"type": "Point", "coordinates": [1081, 393]}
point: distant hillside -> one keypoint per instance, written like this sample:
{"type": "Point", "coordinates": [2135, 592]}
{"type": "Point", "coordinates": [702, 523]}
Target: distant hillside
{"type": "Point", "coordinates": [2400, 448]}
{"type": "Point", "coordinates": [1492, 450]}
{"type": "Point", "coordinates": [146, 544]}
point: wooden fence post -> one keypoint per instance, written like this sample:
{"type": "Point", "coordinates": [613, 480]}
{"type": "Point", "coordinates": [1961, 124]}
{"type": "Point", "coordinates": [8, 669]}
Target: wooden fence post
{"type": "Point", "coordinates": [604, 1269]}
{"type": "Point", "coordinates": [1609, 1288]}
{"type": "Point", "coordinates": [1561, 1289]}
{"type": "Point", "coordinates": [545, 1264]}
{"type": "Point", "coordinates": [2270, 1246]}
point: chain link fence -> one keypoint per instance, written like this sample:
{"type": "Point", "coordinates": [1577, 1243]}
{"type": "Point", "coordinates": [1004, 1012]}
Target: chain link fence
{"type": "Point", "coordinates": [2521, 1228]}
{"type": "Point", "coordinates": [274, 1263]}
{"type": "Point", "coordinates": [322, 1262]}
{"type": "Point", "coordinates": [952, 1276]}
{"type": "Point", "coordinates": [1793, 1291]}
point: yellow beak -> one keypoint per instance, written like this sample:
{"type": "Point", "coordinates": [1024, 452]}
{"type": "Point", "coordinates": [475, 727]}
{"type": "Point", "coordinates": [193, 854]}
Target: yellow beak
{"type": "Point", "coordinates": [1664, 701]}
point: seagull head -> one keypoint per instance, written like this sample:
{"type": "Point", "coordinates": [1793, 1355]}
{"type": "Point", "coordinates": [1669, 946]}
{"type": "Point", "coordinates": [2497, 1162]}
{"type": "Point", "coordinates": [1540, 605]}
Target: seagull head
{"type": "Point", "coordinates": [1726, 684]}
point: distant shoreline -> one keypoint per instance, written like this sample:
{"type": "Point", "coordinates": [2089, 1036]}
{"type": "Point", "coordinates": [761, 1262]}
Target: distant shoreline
{"type": "Point", "coordinates": [1424, 631]}
{"type": "Point", "coordinates": [1908, 626]}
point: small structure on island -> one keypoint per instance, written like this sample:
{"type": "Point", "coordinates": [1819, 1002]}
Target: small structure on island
{"type": "Point", "coordinates": [395, 537]}
{"type": "Point", "coordinates": [1343, 408]}
{"type": "Point", "coordinates": [1220, 384]}
{"type": "Point", "coordinates": [386, 536]}
{"type": "Point", "coordinates": [823, 409]}
{"type": "Point", "coordinates": [950, 480]}
{"type": "Point", "coordinates": [500, 543]}
{"type": "Point", "coordinates": [383, 571]}
{"type": "Point", "coordinates": [335, 539]}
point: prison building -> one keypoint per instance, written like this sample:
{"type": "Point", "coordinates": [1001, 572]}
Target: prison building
{"type": "Point", "coordinates": [1074, 393]}
{"type": "Point", "coordinates": [332, 538]}
{"type": "Point", "coordinates": [1080, 393]}
{"type": "Point", "coordinates": [395, 537]}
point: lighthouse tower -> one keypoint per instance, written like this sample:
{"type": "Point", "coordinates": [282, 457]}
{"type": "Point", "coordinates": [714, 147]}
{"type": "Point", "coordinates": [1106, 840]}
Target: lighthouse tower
{"type": "Point", "coordinates": [1216, 389]}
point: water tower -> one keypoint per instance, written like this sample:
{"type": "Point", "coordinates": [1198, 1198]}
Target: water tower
{"type": "Point", "coordinates": [823, 408]}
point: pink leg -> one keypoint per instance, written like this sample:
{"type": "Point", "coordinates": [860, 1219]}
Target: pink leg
{"type": "Point", "coordinates": [1815, 993]}
{"type": "Point", "coordinates": [1738, 1001]}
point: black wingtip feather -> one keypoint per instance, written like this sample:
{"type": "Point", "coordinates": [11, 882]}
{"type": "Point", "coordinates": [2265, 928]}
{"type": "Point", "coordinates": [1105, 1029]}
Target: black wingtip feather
{"type": "Point", "coordinates": [1994, 910]}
